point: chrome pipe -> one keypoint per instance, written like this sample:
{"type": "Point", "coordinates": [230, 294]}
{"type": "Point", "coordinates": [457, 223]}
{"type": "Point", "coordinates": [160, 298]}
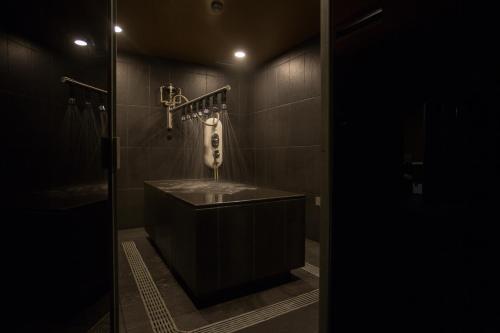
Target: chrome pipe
{"type": "Point", "coordinates": [194, 100]}
{"type": "Point", "coordinates": [66, 79]}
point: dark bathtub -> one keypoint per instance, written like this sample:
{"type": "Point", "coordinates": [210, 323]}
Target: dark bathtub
{"type": "Point", "coordinates": [223, 236]}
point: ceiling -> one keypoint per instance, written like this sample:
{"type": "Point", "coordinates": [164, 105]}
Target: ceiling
{"type": "Point", "coordinates": [188, 30]}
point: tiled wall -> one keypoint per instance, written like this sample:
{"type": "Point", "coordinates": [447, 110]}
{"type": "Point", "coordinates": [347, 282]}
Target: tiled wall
{"type": "Point", "coordinates": [147, 152]}
{"type": "Point", "coordinates": [286, 112]}
{"type": "Point", "coordinates": [35, 104]}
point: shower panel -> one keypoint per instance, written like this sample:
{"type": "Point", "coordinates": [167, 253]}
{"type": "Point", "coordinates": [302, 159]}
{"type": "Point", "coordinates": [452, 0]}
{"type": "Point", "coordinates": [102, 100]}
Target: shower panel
{"type": "Point", "coordinates": [213, 145]}
{"type": "Point", "coordinates": [205, 109]}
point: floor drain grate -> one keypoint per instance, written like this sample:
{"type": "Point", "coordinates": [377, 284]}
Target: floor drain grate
{"type": "Point", "coordinates": [160, 318]}
{"type": "Point", "coordinates": [162, 321]}
{"type": "Point", "coordinates": [260, 315]}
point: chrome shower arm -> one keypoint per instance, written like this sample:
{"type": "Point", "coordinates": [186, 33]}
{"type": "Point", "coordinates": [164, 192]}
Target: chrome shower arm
{"type": "Point", "coordinates": [194, 100]}
{"type": "Point", "coordinates": [66, 79]}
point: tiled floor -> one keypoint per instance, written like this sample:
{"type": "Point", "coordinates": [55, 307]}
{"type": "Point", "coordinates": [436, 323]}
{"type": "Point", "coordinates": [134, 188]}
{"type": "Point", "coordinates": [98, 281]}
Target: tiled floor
{"type": "Point", "coordinates": [133, 317]}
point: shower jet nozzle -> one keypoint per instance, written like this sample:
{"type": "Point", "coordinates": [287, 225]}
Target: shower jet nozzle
{"type": "Point", "coordinates": [223, 105]}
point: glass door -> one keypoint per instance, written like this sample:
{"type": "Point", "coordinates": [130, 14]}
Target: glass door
{"type": "Point", "coordinates": [55, 94]}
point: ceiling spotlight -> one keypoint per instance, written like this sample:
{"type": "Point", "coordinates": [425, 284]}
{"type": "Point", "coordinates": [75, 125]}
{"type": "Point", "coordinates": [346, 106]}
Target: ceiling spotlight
{"type": "Point", "coordinates": [240, 54]}
{"type": "Point", "coordinates": [217, 6]}
{"type": "Point", "coordinates": [118, 29]}
{"type": "Point", "coordinates": [80, 42]}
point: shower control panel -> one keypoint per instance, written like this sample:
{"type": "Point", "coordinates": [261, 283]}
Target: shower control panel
{"type": "Point", "coordinates": [213, 143]}
{"type": "Point", "coordinates": [215, 140]}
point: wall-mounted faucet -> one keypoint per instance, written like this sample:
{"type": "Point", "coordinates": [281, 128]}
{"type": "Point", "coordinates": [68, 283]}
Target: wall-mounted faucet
{"type": "Point", "coordinates": [174, 98]}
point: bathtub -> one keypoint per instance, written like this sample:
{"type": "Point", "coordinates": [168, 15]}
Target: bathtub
{"type": "Point", "coordinates": [219, 238]}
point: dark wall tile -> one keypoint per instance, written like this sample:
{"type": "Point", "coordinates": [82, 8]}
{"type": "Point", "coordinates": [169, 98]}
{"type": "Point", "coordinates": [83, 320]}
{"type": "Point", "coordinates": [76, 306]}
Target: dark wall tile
{"type": "Point", "coordinates": [299, 168]}
{"type": "Point", "coordinates": [19, 63]}
{"type": "Point", "coordinates": [192, 84]}
{"type": "Point", "coordinates": [249, 156]}
{"type": "Point", "coordinates": [316, 180]}
{"type": "Point", "coordinates": [121, 123]}
{"type": "Point", "coordinates": [121, 82]}
{"type": "Point", "coordinates": [193, 68]}
{"type": "Point", "coordinates": [130, 208]}
{"type": "Point", "coordinates": [303, 173]}
{"type": "Point", "coordinates": [305, 122]}
{"type": "Point", "coordinates": [312, 218]}
{"type": "Point", "coordinates": [283, 83]}
{"type": "Point", "coordinates": [286, 105]}
{"type": "Point", "coordinates": [297, 78]}
{"type": "Point", "coordinates": [160, 76]}
{"type": "Point", "coordinates": [245, 92]}
{"type": "Point", "coordinates": [233, 97]}
{"type": "Point", "coordinates": [271, 87]}
{"type": "Point", "coordinates": [3, 62]}
{"type": "Point", "coordinates": [138, 126]}
{"type": "Point", "coordinates": [312, 74]}
{"type": "Point", "coordinates": [42, 68]}
{"type": "Point", "coordinates": [216, 82]}
{"type": "Point", "coordinates": [138, 83]}
{"type": "Point", "coordinates": [159, 135]}
{"type": "Point", "coordinates": [261, 131]}
{"type": "Point", "coordinates": [137, 166]}
{"type": "Point", "coordinates": [261, 166]}
{"type": "Point", "coordinates": [278, 126]}
{"type": "Point", "coordinates": [241, 93]}
{"type": "Point", "coordinates": [245, 133]}
{"type": "Point", "coordinates": [277, 168]}
{"type": "Point", "coordinates": [162, 163]}
{"type": "Point", "coordinates": [121, 174]}
{"type": "Point", "coordinates": [260, 90]}
{"type": "Point", "coordinates": [251, 130]}
{"type": "Point", "coordinates": [285, 57]}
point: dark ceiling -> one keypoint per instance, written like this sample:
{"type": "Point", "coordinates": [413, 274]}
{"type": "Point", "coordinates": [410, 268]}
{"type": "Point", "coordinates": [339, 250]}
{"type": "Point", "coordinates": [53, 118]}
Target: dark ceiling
{"type": "Point", "coordinates": [188, 30]}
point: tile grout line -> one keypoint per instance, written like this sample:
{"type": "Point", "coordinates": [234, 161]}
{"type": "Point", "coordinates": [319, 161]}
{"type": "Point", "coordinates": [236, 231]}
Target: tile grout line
{"type": "Point", "coordinates": [162, 322]}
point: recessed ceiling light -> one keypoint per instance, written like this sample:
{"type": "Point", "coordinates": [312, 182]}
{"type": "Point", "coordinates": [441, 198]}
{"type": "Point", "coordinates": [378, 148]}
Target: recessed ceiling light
{"type": "Point", "coordinates": [118, 29]}
{"type": "Point", "coordinates": [240, 54]}
{"type": "Point", "coordinates": [80, 42]}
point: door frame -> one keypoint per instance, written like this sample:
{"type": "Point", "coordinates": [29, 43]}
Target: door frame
{"type": "Point", "coordinates": [326, 239]}
{"type": "Point", "coordinates": [326, 228]}
{"type": "Point", "coordinates": [114, 163]}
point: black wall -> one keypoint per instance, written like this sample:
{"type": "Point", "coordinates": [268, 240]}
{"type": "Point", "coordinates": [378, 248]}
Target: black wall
{"type": "Point", "coordinates": [285, 109]}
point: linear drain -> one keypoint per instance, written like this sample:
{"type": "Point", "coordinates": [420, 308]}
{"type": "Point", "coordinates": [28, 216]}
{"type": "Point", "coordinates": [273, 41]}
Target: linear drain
{"type": "Point", "coordinates": [162, 321]}
{"type": "Point", "coordinates": [248, 319]}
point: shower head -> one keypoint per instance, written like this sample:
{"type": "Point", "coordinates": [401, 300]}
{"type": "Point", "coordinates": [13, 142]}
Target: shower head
{"type": "Point", "coordinates": [223, 104]}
